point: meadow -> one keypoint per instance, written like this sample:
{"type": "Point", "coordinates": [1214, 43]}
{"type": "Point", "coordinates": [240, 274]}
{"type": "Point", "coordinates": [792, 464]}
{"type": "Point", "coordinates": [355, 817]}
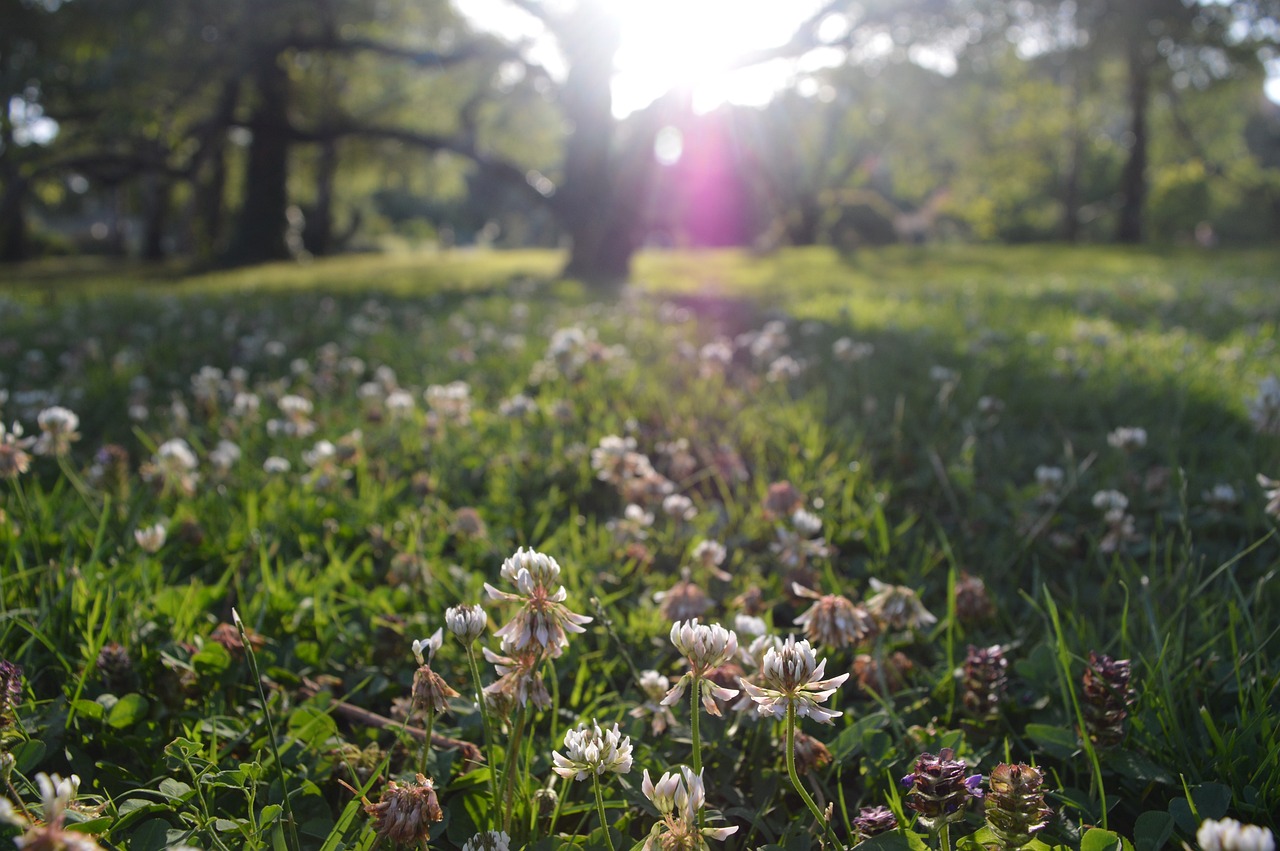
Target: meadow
{"type": "Point", "coordinates": [1014, 505]}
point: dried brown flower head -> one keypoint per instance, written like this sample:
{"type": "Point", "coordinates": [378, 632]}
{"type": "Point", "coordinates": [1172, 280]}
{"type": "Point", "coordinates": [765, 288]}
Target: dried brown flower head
{"type": "Point", "coordinates": [404, 814]}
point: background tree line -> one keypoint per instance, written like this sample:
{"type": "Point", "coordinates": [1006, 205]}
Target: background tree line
{"type": "Point", "coordinates": [240, 131]}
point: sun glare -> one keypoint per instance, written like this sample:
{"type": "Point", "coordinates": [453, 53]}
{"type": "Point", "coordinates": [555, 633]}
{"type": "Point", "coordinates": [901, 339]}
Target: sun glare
{"type": "Point", "coordinates": [678, 44]}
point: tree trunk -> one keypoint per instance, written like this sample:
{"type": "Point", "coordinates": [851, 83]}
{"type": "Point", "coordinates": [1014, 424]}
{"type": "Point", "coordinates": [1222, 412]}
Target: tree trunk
{"type": "Point", "coordinates": [260, 229]}
{"type": "Point", "coordinates": [157, 212]}
{"type": "Point", "coordinates": [599, 218]}
{"type": "Point", "coordinates": [1133, 180]}
{"type": "Point", "coordinates": [1075, 154]}
{"type": "Point", "coordinates": [14, 247]}
{"type": "Point", "coordinates": [318, 234]}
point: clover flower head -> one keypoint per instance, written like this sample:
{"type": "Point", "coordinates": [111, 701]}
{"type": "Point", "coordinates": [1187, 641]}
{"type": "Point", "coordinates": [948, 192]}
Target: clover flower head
{"type": "Point", "coordinates": [592, 751]}
{"type": "Point", "coordinates": [1127, 438]}
{"type": "Point", "coordinates": [833, 620]}
{"type": "Point", "coordinates": [706, 646]}
{"type": "Point", "coordinates": [898, 607]}
{"type": "Point", "coordinates": [151, 538]}
{"type": "Point", "coordinates": [429, 645]}
{"type": "Point", "coordinates": [57, 795]}
{"type": "Point", "coordinates": [14, 460]}
{"type": "Point", "coordinates": [791, 676]}
{"type": "Point", "coordinates": [1230, 835]}
{"type": "Point", "coordinates": [679, 797]}
{"type": "Point", "coordinates": [404, 814]}
{"type": "Point", "coordinates": [543, 619]}
{"type": "Point", "coordinates": [466, 622]}
{"type": "Point", "coordinates": [489, 840]}
{"type": "Point", "coordinates": [58, 426]}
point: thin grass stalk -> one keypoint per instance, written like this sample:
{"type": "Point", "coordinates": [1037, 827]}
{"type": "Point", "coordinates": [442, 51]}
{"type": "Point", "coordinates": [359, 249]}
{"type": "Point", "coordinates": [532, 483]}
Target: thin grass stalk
{"type": "Point", "coordinates": [795, 778]}
{"type": "Point", "coordinates": [291, 835]}
{"type": "Point", "coordinates": [488, 731]}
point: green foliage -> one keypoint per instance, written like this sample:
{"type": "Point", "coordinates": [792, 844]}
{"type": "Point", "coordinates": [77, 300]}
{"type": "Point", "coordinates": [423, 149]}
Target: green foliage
{"type": "Point", "coordinates": [916, 474]}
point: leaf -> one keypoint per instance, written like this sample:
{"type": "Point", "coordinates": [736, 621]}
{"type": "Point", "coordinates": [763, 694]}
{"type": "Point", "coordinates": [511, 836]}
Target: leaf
{"type": "Point", "coordinates": [269, 814]}
{"type": "Point", "coordinates": [88, 708]}
{"type": "Point", "coordinates": [212, 660]}
{"type": "Point", "coordinates": [1097, 839]}
{"type": "Point", "coordinates": [175, 790]}
{"type": "Point", "coordinates": [1138, 767]}
{"type": "Point", "coordinates": [151, 835]}
{"type": "Point", "coordinates": [128, 711]}
{"type": "Point", "coordinates": [28, 755]}
{"type": "Point", "coordinates": [1152, 830]}
{"type": "Point", "coordinates": [1056, 741]}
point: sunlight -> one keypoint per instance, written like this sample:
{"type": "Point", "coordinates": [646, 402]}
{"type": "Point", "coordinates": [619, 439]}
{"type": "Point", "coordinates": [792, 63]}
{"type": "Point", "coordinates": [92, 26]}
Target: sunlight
{"type": "Point", "coordinates": [675, 44]}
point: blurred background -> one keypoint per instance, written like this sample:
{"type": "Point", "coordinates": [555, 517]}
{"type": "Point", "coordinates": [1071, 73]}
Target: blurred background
{"type": "Point", "coordinates": [228, 132]}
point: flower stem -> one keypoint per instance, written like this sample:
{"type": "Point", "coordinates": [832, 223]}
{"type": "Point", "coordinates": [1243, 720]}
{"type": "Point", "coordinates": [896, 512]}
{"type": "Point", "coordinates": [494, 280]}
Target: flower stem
{"type": "Point", "coordinates": [693, 723]}
{"type": "Point", "coordinates": [944, 836]}
{"type": "Point", "coordinates": [511, 765]}
{"type": "Point", "coordinates": [604, 821]}
{"type": "Point", "coordinates": [795, 778]}
{"type": "Point", "coordinates": [426, 740]}
{"type": "Point", "coordinates": [488, 732]}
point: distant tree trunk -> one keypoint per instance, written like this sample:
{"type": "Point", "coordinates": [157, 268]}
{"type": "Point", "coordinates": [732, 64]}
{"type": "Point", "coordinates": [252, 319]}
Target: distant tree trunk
{"type": "Point", "coordinates": [1133, 180]}
{"type": "Point", "coordinates": [319, 229]}
{"type": "Point", "coordinates": [260, 229]}
{"type": "Point", "coordinates": [1075, 156]}
{"type": "Point", "coordinates": [211, 191]}
{"type": "Point", "coordinates": [14, 246]}
{"type": "Point", "coordinates": [157, 214]}
{"type": "Point", "coordinates": [592, 205]}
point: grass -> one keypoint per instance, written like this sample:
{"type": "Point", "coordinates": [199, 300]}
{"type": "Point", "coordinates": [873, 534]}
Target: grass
{"type": "Point", "coordinates": [917, 452]}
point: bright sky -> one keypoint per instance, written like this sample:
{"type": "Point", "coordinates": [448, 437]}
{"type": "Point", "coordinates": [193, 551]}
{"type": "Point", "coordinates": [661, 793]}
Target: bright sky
{"type": "Point", "coordinates": [672, 43]}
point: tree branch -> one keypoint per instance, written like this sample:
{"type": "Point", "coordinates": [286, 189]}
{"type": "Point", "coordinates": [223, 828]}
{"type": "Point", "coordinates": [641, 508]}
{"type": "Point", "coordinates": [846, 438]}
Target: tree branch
{"type": "Point", "coordinates": [421, 58]}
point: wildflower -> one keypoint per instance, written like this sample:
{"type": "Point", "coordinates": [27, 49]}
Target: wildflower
{"type": "Point", "coordinates": [632, 526]}
{"type": "Point", "coordinates": [898, 607]}
{"type": "Point", "coordinates": [873, 821]}
{"type": "Point", "coordinates": [275, 465]}
{"type": "Point", "coordinates": [399, 404]}
{"type": "Point", "coordinates": [1127, 438]}
{"type": "Point", "coordinates": [679, 506]}
{"type": "Point", "coordinates": [57, 796]}
{"type": "Point", "coordinates": [848, 350]}
{"type": "Point", "coordinates": [782, 500]}
{"type": "Point", "coordinates": [792, 676]}
{"type": "Point", "coordinates": [984, 682]}
{"type": "Point", "coordinates": [173, 466]}
{"type": "Point", "coordinates": [1222, 497]}
{"type": "Point", "coordinates": [466, 622]}
{"type": "Point", "coordinates": [518, 407]}
{"type": "Point", "coordinates": [683, 601]}
{"type": "Point", "coordinates": [1107, 698]}
{"type": "Point", "coordinates": [297, 422]}
{"type": "Point", "coordinates": [1015, 805]}
{"type": "Point", "coordinates": [751, 625]}
{"type": "Point", "coordinates": [1264, 409]}
{"type": "Point", "coordinates": [58, 426]}
{"type": "Point", "coordinates": [655, 687]}
{"type": "Point", "coordinates": [519, 679]}
{"type": "Point", "coordinates": [1110, 500]}
{"type": "Point", "coordinates": [430, 691]}
{"type": "Point", "coordinates": [1050, 478]}
{"type": "Point", "coordinates": [705, 646]}
{"type": "Point", "coordinates": [451, 401]}
{"type": "Point", "coordinates": [225, 456]}
{"type": "Point", "coordinates": [1230, 835]}
{"type": "Point", "coordinates": [10, 689]}
{"type": "Point", "coordinates": [542, 619]}
{"type": "Point", "coordinates": [939, 789]}
{"type": "Point", "coordinates": [468, 523]}
{"type": "Point", "coordinates": [1270, 489]}
{"type": "Point", "coordinates": [679, 798]}
{"type": "Point", "coordinates": [883, 679]}
{"type": "Point", "coordinates": [833, 620]}
{"type": "Point", "coordinates": [973, 603]}
{"type": "Point", "coordinates": [151, 538]}
{"type": "Point", "coordinates": [115, 666]}
{"type": "Point", "coordinates": [14, 460]}
{"type": "Point", "coordinates": [592, 751]}
{"type": "Point", "coordinates": [404, 814]}
{"type": "Point", "coordinates": [490, 840]}
{"type": "Point", "coordinates": [710, 555]}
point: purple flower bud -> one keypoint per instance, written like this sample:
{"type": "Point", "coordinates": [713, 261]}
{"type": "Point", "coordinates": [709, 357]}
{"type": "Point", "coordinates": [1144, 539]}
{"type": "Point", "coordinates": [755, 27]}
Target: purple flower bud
{"type": "Point", "coordinates": [974, 784]}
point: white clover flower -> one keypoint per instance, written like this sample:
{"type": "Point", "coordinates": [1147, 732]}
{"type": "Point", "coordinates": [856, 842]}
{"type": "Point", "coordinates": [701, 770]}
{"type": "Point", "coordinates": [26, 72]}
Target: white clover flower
{"type": "Point", "coordinates": [1110, 500]}
{"type": "Point", "coordinates": [679, 797]}
{"type": "Point", "coordinates": [151, 538]}
{"type": "Point", "coordinates": [398, 402]}
{"type": "Point", "coordinates": [1271, 490]}
{"type": "Point", "coordinates": [1264, 409]}
{"type": "Point", "coordinates": [276, 465]}
{"type": "Point", "coordinates": [655, 687]}
{"type": "Point", "coordinates": [58, 426]}
{"type": "Point", "coordinates": [792, 677]}
{"type": "Point", "coordinates": [543, 619]}
{"type": "Point", "coordinates": [709, 553]}
{"type": "Point", "coordinates": [1230, 835]}
{"type": "Point", "coordinates": [1127, 438]}
{"type": "Point", "coordinates": [466, 622]}
{"type": "Point", "coordinates": [749, 625]}
{"type": "Point", "coordinates": [1050, 478]}
{"type": "Point", "coordinates": [293, 405]}
{"type": "Point", "coordinates": [1221, 496]}
{"type": "Point", "coordinates": [225, 455]}
{"type": "Point", "coordinates": [898, 607]}
{"type": "Point", "coordinates": [706, 646]}
{"type": "Point", "coordinates": [57, 795]}
{"type": "Point", "coordinates": [430, 645]}
{"type": "Point", "coordinates": [679, 506]}
{"type": "Point", "coordinates": [176, 455]}
{"type": "Point", "coordinates": [14, 460]}
{"type": "Point", "coordinates": [849, 350]}
{"type": "Point", "coordinates": [592, 751]}
{"type": "Point", "coordinates": [806, 523]}
{"type": "Point", "coordinates": [490, 840]}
